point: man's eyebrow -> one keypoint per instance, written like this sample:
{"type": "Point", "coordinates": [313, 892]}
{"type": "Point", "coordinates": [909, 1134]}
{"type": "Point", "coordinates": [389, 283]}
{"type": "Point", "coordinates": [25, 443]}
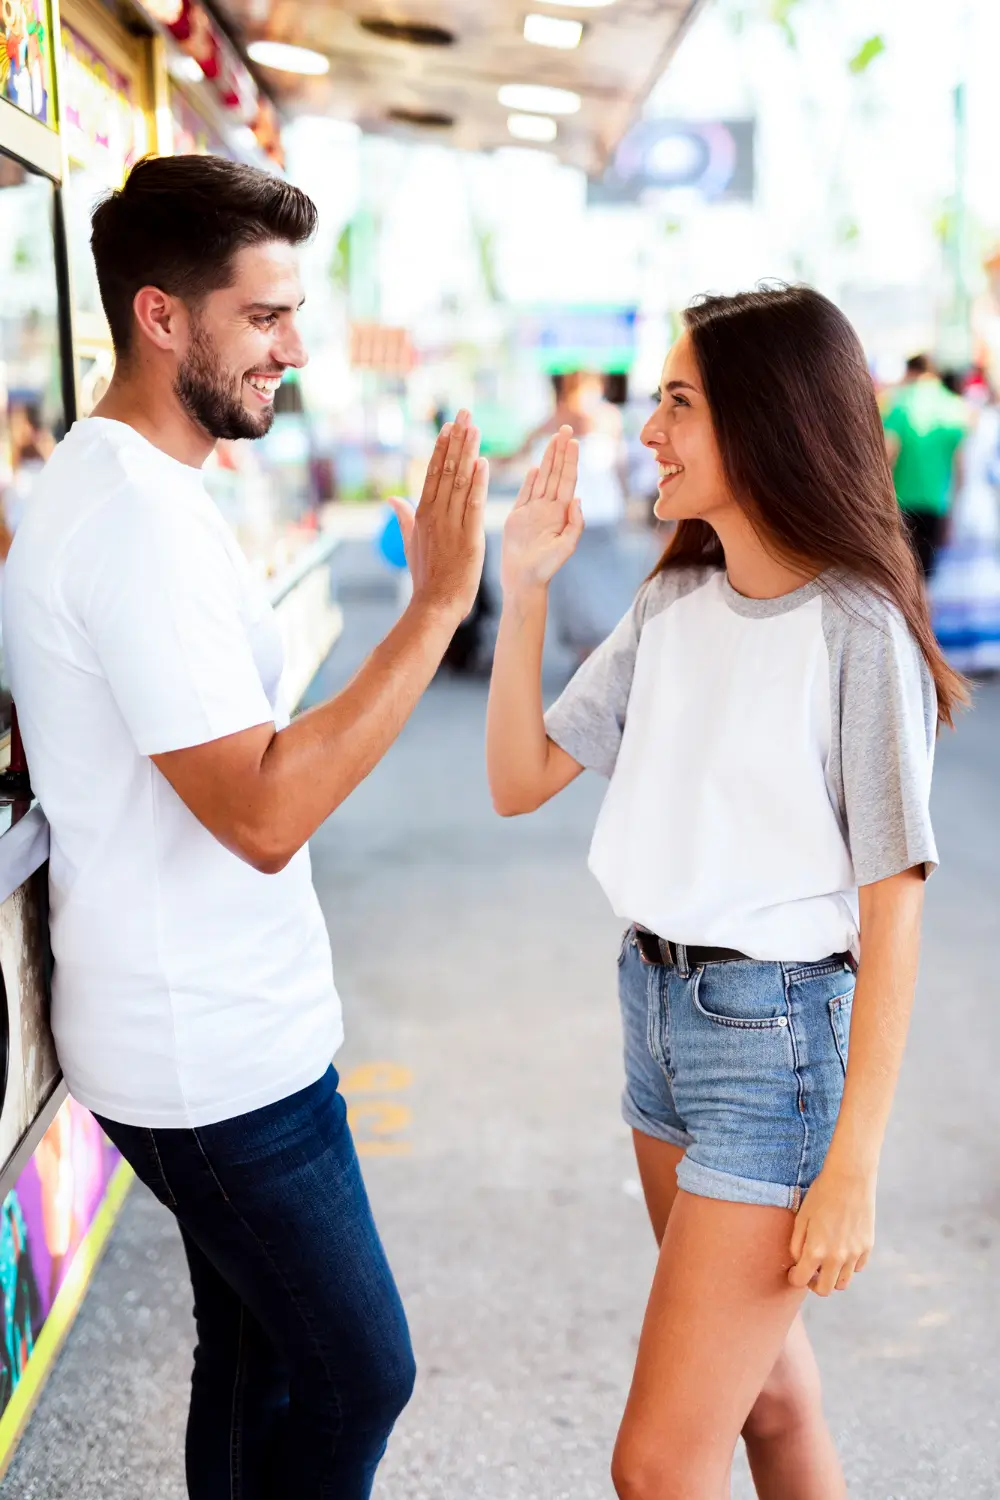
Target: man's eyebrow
{"type": "Point", "coordinates": [278, 307]}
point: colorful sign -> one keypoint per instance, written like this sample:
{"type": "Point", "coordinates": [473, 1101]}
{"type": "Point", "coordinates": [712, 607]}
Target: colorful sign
{"type": "Point", "coordinates": [26, 57]}
{"type": "Point", "coordinates": [53, 1224]}
{"type": "Point", "coordinates": [193, 135]}
{"type": "Point", "coordinates": [579, 338]}
{"type": "Point", "coordinates": [103, 124]}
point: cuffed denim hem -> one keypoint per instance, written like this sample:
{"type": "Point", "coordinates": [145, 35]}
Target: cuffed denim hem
{"type": "Point", "coordinates": [649, 1125]}
{"type": "Point", "coordinates": [706, 1182]}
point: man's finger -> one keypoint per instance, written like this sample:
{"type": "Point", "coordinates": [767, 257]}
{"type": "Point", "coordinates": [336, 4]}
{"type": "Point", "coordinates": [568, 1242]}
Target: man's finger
{"type": "Point", "coordinates": [436, 466]}
{"type": "Point", "coordinates": [478, 490]}
{"type": "Point", "coordinates": [456, 444]}
{"type": "Point", "coordinates": [468, 458]}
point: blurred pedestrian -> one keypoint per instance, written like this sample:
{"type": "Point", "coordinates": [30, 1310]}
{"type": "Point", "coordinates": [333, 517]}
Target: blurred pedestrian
{"type": "Point", "coordinates": [924, 425]}
{"type": "Point", "coordinates": [590, 593]}
{"type": "Point", "coordinates": [766, 713]}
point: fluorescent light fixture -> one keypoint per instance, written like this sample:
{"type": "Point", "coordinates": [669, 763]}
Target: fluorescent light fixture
{"type": "Point", "coordinates": [532, 127]}
{"type": "Point", "coordinates": [184, 69]}
{"type": "Point", "coordinates": [287, 59]}
{"type": "Point", "coordinates": [552, 31]}
{"type": "Point", "coordinates": [538, 99]}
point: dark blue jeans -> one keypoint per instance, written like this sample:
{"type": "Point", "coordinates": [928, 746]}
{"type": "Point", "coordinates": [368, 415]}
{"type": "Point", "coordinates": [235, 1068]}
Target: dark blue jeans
{"type": "Point", "coordinates": [303, 1360]}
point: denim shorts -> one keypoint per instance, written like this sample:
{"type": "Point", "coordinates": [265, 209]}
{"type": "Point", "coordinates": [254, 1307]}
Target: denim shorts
{"type": "Point", "coordinates": [741, 1064]}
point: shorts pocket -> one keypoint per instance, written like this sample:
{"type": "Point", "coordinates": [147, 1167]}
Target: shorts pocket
{"type": "Point", "coordinates": [749, 996]}
{"type": "Point", "coordinates": [624, 945]}
{"type": "Point", "coordinates": [840, 1020]}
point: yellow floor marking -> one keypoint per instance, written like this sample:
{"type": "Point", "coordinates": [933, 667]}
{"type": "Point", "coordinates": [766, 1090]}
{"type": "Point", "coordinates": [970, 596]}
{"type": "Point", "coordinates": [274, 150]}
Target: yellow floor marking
{"type": "Point", "coordinates": [378, 1078]}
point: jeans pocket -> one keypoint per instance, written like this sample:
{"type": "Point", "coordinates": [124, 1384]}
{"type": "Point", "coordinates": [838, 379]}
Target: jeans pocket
{"type": "Point", "coordinates": [840, 1020]}
{"type": "Point", "coordinates": [748, 996]}
{"type": "Point", "coordinates": [623, 947]}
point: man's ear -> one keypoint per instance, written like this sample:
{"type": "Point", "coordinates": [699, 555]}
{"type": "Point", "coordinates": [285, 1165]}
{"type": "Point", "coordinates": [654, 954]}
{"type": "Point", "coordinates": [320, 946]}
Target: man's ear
{"type": "Point", "coordinates": [162, 319]}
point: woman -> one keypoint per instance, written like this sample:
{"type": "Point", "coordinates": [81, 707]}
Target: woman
{"type": "Point", "coordinates": [591, 591]}
{"type": "Point", "coordinates": [766, 713]}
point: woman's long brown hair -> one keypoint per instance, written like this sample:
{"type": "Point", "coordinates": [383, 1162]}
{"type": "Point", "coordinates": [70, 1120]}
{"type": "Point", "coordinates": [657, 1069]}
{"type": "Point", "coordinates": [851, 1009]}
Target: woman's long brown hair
{"type": "Point", "coordinates": [802, 447]}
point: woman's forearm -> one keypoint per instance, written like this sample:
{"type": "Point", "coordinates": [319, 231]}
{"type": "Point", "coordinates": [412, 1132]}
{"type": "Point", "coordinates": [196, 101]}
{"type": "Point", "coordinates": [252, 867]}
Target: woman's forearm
{"type": "Point", "coordinates": [524, 767]}
{"type": "Point", "coordinates": [516, 742]}
{"type": "Point", "coordinates": [883, 999]}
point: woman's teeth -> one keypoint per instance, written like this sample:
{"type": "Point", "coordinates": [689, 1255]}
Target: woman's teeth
{"type": "Point", "coordinates": [667, 471]}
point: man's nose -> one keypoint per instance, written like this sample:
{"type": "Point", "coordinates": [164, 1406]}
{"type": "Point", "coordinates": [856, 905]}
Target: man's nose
{"type": "Point", "coordinates": [292, 351]}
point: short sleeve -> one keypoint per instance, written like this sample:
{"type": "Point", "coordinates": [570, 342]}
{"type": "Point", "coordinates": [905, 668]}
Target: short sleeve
{"type": "Point", "coordinates": [588, 719]}
{"type": "Point", "coordinates": [160, 604]}
{"type": "Point", "coordinates": [887, 720]}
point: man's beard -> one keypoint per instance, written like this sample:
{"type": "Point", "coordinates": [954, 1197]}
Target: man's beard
{"type": "Point", "coordinates": [213, 397]}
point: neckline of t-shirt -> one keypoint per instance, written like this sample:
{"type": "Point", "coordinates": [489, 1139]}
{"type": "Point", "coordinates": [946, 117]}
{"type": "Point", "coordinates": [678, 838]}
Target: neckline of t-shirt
{"type": "Point", "coordinates": [766, 609]}
{"type": "Point", "coordinates": [124, 434]}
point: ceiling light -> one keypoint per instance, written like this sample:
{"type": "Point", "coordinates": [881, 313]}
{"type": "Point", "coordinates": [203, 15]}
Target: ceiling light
{"type": "Point", "coordinates": [582, 4]}
{"type": "Point", "coordinates": [184, 69]}
{"type": "Point", "coordinates": [552, 31]}
{"type": "Point", "coordinates": [288, 59]}
{"type": "Point", "coordinates": [532, 127]}
{"type": "Point", "coordinates": [537, 99]}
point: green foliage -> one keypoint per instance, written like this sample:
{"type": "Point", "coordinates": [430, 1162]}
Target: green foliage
{"type": "Point", "coordinates": [866, 54]}
{"type": "Point", "coordinates": [340, 264]}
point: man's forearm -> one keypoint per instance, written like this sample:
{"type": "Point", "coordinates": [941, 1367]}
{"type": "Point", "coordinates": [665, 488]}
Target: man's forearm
{"type": "Point", "coordinates": [312, 766]}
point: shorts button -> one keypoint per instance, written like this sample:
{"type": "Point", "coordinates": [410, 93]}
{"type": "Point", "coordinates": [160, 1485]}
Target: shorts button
{"type": "Point", "coordinates": [782, 1020]}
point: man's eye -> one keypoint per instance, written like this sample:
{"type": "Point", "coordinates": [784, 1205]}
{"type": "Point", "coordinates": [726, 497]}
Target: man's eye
{"type": "Point", "coordinates": [266, 320]}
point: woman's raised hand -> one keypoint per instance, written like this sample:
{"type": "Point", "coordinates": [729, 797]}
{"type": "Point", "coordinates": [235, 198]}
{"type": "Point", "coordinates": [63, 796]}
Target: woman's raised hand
{"type": "Point", "coordinates": [546, 523]}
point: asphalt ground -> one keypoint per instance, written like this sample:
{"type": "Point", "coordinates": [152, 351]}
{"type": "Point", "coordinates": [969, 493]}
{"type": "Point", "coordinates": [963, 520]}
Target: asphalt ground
{"type": "Point", "coordinates": [476, 960]}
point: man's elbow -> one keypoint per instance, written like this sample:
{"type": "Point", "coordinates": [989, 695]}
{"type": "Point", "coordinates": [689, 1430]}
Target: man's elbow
{"type": "Point", "coordinates": [262, 851]}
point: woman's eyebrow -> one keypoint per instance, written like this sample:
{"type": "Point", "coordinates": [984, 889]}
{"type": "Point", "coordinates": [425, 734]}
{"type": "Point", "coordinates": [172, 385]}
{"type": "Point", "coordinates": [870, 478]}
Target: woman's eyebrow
{"type": "Point", "coordinates": [681, 385]}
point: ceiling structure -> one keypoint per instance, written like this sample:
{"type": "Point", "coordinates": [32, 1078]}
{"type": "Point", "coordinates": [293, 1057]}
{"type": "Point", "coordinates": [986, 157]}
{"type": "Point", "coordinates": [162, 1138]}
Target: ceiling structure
{"type": "Point", "coordinates": [433, 68]}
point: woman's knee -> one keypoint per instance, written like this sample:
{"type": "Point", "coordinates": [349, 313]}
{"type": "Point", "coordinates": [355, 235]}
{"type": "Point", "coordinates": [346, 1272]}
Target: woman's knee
{"type": "Point", "coordinates": [790, 1399]}
{"type": "Point", "coordinates": [660, 1470]}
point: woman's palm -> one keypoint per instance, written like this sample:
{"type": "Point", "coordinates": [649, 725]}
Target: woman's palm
{"type": "Point", "coordinates": [545, 525]}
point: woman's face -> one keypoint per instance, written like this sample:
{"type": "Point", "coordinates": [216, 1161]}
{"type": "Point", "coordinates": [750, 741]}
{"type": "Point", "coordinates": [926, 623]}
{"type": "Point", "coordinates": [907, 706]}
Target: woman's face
{"type": "Point", "coordinates": [692, 482]}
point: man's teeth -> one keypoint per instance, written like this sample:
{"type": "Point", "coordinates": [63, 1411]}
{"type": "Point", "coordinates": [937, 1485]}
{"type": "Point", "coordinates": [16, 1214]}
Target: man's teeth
{"type": "Point", "coordinates": [266, 383]}
{"type": "Point", "coordinates": [666, 470]}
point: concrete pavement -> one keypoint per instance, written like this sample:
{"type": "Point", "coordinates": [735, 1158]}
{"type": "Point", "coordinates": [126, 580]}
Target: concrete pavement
{"type": "Point", "coordinates": [476, 962]}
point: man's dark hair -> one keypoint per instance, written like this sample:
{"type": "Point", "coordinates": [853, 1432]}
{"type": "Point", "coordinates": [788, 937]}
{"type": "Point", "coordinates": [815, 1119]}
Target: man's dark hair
{"type": "Point", "coordinates": [919, 364]}
{"type": "Point", "coordinates": [178, 223]}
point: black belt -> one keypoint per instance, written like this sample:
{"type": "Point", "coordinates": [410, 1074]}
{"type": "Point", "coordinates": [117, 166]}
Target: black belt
{"type": "Point", "coordinates": [657, 950]}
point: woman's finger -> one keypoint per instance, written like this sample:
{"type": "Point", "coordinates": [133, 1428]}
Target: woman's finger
{"type": "Point", "coordinates": [436, 466]}
{"type": "Point", "coordinates": [566, 488]}
{"type": "Point", "coordinates": [550, 458]}
{"type": "Point", "coordinates": [806, 1267]}
{"type": "Point", "coordinates": [830, 1273]}
{"type": "Point", "coordinates": [845, 1277]}
{"type": "Point", "coordinates": [524, 493]}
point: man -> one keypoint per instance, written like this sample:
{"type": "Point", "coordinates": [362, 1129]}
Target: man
{"type": "Point", "coordinates": [924, 425]}
{"type": "Point", "coordinates": [194, 1008]}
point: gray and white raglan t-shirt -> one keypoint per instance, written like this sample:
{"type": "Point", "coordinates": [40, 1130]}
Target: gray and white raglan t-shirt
{"type": "Point", "coordinates": [766, 758]}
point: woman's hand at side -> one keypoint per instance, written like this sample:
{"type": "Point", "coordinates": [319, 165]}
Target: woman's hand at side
{"type": "Point", "coordinates": [546, 523]}
{"type": "Point", "coordinates": [835, 1228]}
{"type": "Point", "coordinates": [834, 1231]}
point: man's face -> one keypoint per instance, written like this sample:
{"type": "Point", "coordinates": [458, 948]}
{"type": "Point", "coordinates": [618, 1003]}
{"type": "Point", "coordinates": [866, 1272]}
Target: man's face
{"type": "Point", "coordinates": [242, 339]}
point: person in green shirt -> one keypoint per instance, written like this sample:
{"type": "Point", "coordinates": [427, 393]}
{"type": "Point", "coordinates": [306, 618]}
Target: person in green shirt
{"type": "Point", "coordinates": [924, 425]}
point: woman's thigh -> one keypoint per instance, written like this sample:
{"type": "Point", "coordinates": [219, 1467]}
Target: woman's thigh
{"type": "Point", "coordinates": [718, 1315]}
{"type": "Point", "coordinates": [657, 1162]}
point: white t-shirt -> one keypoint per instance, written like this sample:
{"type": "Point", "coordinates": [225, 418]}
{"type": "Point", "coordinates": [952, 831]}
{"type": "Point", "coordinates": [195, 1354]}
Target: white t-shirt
{"type": "Point", "coordinates": [766, 757]}
{"type": "Point", "coordinates": [188, 987]}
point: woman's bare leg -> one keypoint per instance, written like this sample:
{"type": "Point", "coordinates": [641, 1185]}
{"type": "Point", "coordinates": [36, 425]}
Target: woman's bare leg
{"type": "Point", "coordinates": [791, 1452]}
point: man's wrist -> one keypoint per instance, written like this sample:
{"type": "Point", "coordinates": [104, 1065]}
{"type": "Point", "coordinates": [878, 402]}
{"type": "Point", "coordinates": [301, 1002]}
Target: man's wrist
{"type": "Point", "coordinates": [435, 613]}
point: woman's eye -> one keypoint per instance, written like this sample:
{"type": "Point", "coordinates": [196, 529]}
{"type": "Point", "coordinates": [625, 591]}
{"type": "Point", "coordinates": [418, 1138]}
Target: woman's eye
{"type": "Point", "coordinates": [680, 401]}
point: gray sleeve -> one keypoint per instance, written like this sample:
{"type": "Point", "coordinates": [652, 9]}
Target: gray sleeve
{"type": "Point", "coordinates": [884, 724]}
{"type": "Point", "coordinates": [588, 717]}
